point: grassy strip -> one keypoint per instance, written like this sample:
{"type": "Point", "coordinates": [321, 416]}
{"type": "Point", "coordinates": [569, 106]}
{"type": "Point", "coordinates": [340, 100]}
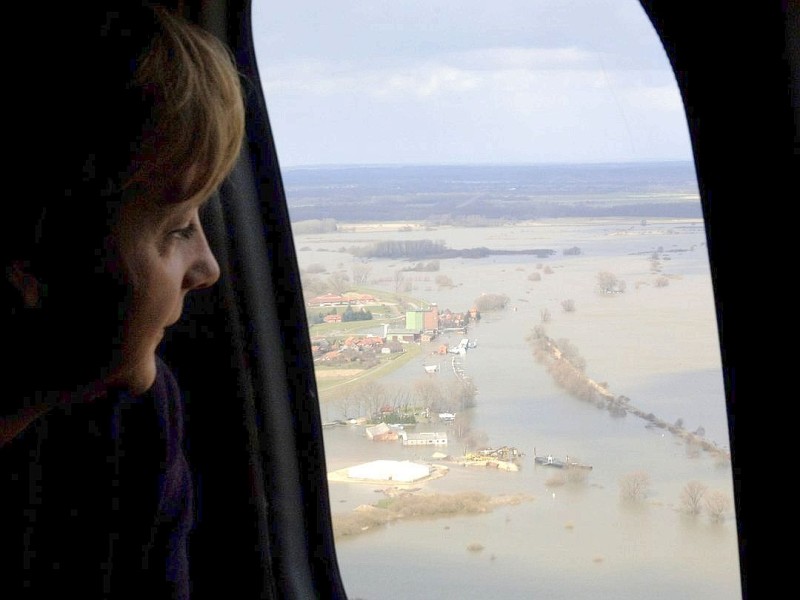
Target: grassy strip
{"type": "Point", "coordinates": [410, 506]}
{"type": "Point", "coordinates": [391, 364]}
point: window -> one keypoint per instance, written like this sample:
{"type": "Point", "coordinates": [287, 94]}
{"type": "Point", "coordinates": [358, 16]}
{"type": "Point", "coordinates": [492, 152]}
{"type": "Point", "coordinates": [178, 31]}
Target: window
{"type": "Point", "coordinates": [504, 260]}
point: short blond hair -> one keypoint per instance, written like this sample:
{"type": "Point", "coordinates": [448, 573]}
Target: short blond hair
{"type": "Point", "coordinates": [196, 120]}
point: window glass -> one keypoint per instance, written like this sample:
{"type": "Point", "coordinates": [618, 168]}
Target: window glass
{"type": "Point", "coordinates": [504, 262]}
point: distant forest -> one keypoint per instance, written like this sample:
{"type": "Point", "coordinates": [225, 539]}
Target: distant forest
{"type": "Point", "coordinates": [486, 195]}
{"type": "Point", "coordinates": [427, 249]}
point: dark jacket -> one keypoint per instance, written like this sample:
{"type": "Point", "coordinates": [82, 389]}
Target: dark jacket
{"type": "Point", "coordinates": [97, 499]}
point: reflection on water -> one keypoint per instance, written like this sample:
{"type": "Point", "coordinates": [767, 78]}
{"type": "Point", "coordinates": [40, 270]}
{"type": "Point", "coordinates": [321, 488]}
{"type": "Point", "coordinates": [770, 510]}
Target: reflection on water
{"type": "Point", "coordinates": [655, 344]}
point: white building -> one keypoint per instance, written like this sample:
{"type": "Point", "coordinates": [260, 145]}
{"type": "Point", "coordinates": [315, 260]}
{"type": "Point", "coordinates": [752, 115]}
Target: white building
{"type": "Point", "coordinates": [389, 470]}
{"type": "Point", "coordinates": [424, 439]}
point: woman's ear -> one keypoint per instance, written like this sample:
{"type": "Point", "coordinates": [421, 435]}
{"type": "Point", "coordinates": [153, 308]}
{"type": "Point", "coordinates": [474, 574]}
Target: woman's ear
{"type": "Point", "coordinates": [28, 286]}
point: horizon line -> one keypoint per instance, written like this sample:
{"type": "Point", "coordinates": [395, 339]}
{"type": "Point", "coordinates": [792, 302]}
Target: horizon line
{"type": "Point", "coordinates": [483, 164]}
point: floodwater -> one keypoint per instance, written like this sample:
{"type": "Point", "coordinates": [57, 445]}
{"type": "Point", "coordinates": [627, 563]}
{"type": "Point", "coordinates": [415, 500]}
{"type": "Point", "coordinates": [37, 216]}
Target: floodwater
{"type": "Point", "coordinates": [657, 345]}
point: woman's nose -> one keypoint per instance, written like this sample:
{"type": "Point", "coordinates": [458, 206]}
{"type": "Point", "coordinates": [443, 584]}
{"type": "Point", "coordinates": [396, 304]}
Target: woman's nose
{"type": "Point", "coordinates": [204, 270]}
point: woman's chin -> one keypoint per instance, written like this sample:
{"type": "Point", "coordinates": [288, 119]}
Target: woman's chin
{"type": "Point", "coordinates": [136, 378]}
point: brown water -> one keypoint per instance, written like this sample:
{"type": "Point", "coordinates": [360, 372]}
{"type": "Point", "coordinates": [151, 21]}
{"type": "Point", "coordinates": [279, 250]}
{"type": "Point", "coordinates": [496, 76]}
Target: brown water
{"type": "Point", "coordinates": [656, 345]}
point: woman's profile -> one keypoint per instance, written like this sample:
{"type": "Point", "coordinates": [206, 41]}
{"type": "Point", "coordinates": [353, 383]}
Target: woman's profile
{"type": "Point", "coordinates": [96, 485]}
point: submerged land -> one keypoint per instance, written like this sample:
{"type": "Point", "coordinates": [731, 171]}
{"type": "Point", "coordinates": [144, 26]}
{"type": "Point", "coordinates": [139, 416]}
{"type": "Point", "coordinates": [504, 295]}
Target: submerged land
{"type": "Point", "coordinates": [596, 344]}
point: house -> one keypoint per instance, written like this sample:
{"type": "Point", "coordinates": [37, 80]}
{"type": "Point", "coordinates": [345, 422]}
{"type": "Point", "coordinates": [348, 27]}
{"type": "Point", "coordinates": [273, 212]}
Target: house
{"type": "Point", "coordinates": [327, 300]}
{"type": "Point", "coordinates": [431, 320]}
{"type": "Point", "coordinates": [404, 336]}
{"type": "Point", "coordinates": [424, 439]}
{"type": "Point", "coordinates": [355, 298]}
{"type": "Point", "coordinates": [381, 433]}
{"type": "Point", "coordinates": [424, 322]}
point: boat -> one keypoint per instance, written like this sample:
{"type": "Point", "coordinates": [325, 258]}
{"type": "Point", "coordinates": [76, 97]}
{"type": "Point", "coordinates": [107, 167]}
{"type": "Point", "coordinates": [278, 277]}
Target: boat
{"type": "Point", "coordinates": [551, 461]}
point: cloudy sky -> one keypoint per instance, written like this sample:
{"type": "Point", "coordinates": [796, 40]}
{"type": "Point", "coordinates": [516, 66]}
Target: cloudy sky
{"type": "Point", "coordinates": [467, 81]}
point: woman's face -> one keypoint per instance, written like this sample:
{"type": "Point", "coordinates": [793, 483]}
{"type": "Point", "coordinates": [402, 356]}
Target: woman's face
{"type": "Point", "coordinates": [163, 254]}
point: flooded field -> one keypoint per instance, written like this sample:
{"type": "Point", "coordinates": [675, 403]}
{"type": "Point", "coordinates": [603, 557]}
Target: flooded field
{"type": "Point", "coordinates": [655, 343]}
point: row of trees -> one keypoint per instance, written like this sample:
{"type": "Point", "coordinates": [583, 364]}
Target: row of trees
{"type": "Point", "coordinates": [413, 249]}
{"type": "Point", "coordinates": [369, 398]}
{"type": "Point", "coordinates": [348, 315]}
{"type": "Point", "coordinates": [695, 497]}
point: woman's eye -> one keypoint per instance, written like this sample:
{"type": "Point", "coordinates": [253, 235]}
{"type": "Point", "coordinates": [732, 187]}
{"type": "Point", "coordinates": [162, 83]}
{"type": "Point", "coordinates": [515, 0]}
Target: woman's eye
{"type": "Point", "coordinates": [185, 232]}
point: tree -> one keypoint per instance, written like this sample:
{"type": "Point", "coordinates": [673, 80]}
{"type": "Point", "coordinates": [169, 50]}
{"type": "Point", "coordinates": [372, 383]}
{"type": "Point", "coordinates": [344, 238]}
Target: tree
{"type": "Point", "coordinates": [576, 474]}
{"type": "Point", "coordinates": [634, 486]}
{"type": "Point", "coordinates": [361, 271]}
{"type": "Point", "coordinates": [569, 352]}
{"type": "Point", "coordinates": [444, 281]}
{"type": "Point", "coordinates": [461, 394]}
{"type": "Point", "coordinates": [537, 333]}
{"type": "Point", "coordinates": [545, 316]}
{"type": "Point", "coordinates": [361, 314]}
{"type": "Point", "coordinates": [717, 504]}
{"type": "Point", "coordinates": [568, 305]}
{"type": "Point", "coordinates": [370, 396]}
{"type": "Point", "coordinates": [475, 439]}
{"type": "Point", "coordinates": [488, 302]}
{"type": "Point", "coordinates": [608, 283]}
{"type": "Point", "coordinates": [399, 280]}
{"type": "Point", "coordinates": [428, 393]}
{"type": "Point", "coordinates": [346, 404]}
{"type": "Point", "coordinates": [339, 282]}
{"type": "Point", "coordinates": [692, 496]}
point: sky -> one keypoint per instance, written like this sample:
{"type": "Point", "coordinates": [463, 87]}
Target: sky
{"type": "Point", "coordinates": [351, 82]}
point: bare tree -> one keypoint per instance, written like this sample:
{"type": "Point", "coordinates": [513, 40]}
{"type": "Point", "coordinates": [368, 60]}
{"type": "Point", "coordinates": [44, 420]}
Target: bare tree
{"type": "Point", "coordinates": [568, 305]}
{"type": "Point", "coordinates": [474, 439]}
{"type": "Point", "coordinates": [537, 333]}
{"type": "Point", "coordinates": [339, 282]}
{"type": "Point", "coordinates": [634, 486]}
{"type": "Point", "coordinates": [717, 505]}
{"type": "Point", "coordinates": [361, 271]}
{"type": "Point", "coordinates": [370, 396]}
{"type": "Point", "coordinates": [399, 280]}
{"type": "Point", "coordinates": [608, 283]}
{"type": "Point", "coordinates": [312, 287]}
{"type": "Point", "coordinates": [692, 497]}
{"type": "Point", "coordinates": [570, 353]}
{"type": "Point", "coordinates": [461, 394]}
{"type": "Point", "coordinates": [314, 269]}
{"type": "Point", "coordinates": [488, 302]}
{"type": "Point", "coordinates": [428, 393]}
{"type": "Point", "coordinates": [576, 474]}
{"type": "Point", "coordinates": [444, 281]}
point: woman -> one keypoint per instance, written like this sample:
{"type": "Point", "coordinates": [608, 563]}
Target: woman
{"type": "Point", "coordinates": [94, 468]}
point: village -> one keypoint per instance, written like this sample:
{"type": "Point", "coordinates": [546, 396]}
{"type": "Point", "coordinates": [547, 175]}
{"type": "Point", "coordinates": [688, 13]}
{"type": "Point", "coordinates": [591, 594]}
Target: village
{"type": "Point", "coordinates": [419, 325]}
{"type": "Point", "coordinates": [387, 424]}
